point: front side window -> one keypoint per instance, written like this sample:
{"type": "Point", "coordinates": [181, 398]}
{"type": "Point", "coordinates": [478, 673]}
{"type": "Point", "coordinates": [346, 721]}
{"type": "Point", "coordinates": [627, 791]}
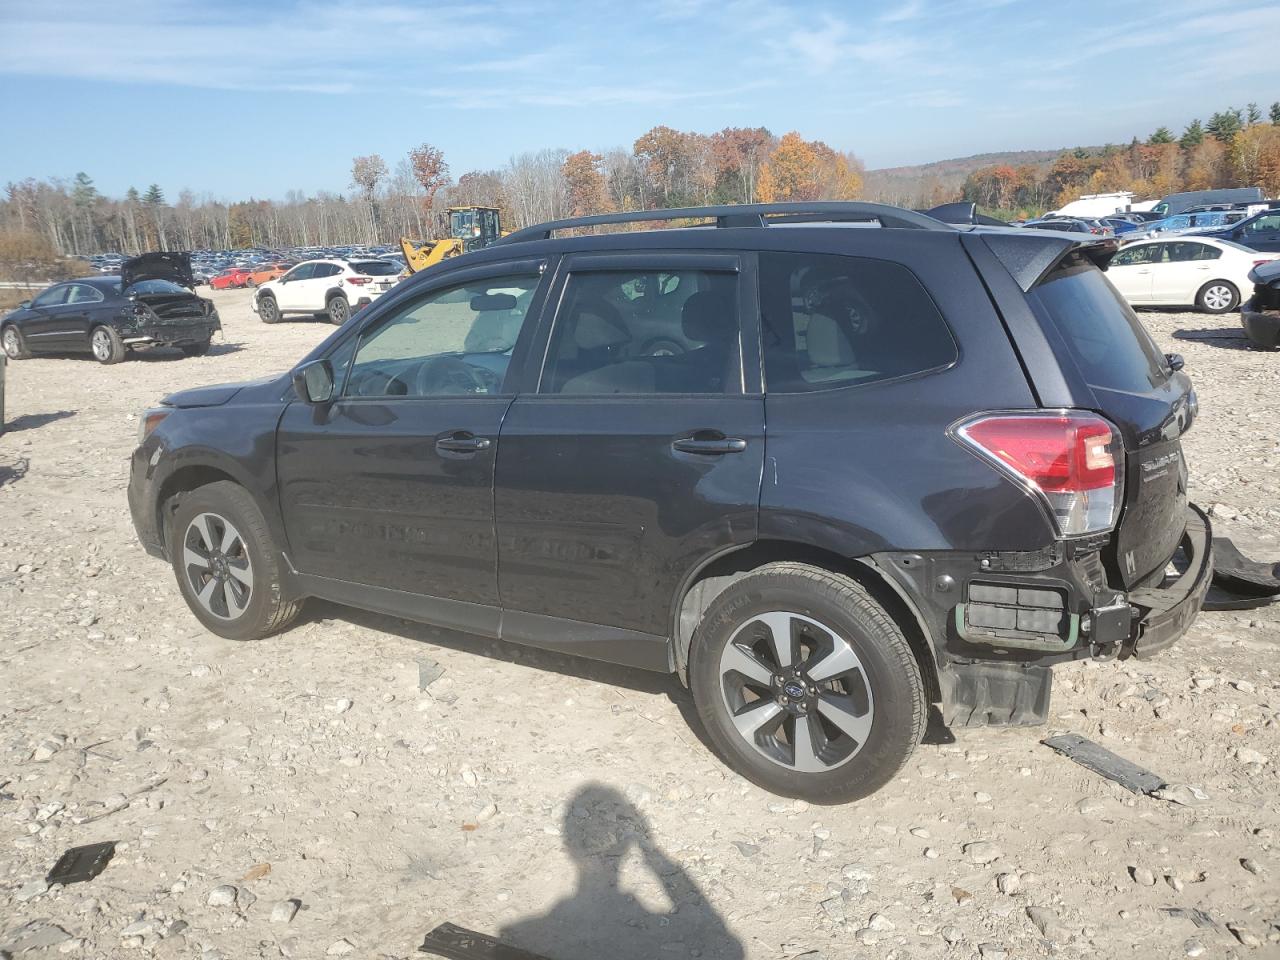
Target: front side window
{"type": "Point", "coordinates": [832, 321]}
{"type": "Point", "coordinates": [452, 342]}
{"type": "Point", "coordinates": [304, 271]}
{"type": "Point", "coordinates": [644, 332]}
{"type": "Point", "coordinates": [1267, 224]}
{"type": "Point", "coordinates": [52, 297]}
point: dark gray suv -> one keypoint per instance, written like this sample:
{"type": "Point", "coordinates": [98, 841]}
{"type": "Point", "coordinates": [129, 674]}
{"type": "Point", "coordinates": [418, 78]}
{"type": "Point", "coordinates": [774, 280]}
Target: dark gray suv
{"type": "Point", "coordinates": [870, 470]}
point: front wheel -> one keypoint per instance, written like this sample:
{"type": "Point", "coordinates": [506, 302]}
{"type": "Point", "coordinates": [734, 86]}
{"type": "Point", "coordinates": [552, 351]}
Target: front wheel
{"type": "Point", "coordinates": [106, 345]}
{"type": "Point", "coordinates": [15, 348]}
{"type": "Point", "coordinates": [338, 310]}
{"type": "Point", "coordinates": [267, 308]}
{"type": "Point", "coordinates": [250, 282]}
{"type": "Point", "coordinates": [227, 567]}
{"type": "Point", "coordinates": [1217, 296]}
{"type": "Point", "coordinates": [806, 685]}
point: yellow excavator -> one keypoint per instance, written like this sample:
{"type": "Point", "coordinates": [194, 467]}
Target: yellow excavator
{"type": "Point", "coordinates": [470, 228]}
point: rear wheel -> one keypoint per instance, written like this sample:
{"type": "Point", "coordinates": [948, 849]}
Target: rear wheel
{"type": "Point", "coordinates": [338, 310]}
{"type": "Point", "coordinates": [267, 308]}
{"type": "Point", "coordinates": [806, 685]}
{"type": "Point", "coordinates": [250, 282]}
{"type": "Point", "coordinates": [1217, 296]}
{"type": "Point", "coordinates": [15, 348]}
{"type": "Point", "coordinates": [227, 567]}
{"type": "Point", "coordinates": [106, 345]}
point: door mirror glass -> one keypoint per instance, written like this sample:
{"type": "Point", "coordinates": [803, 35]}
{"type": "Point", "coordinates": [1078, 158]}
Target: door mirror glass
{"type": "Point", "coordinates": [24, 304]}
{"type": "Point", "coordinates": [313, 383]}
{"type": "Point", "coordinates": [1175, 361]}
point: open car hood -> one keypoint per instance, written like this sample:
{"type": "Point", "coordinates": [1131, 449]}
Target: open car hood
{"type": "Point", "coordinates": [157, 266]}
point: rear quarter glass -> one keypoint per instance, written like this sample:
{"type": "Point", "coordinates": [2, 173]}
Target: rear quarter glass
{"type": "Point", "coordinates": [1105, 338]}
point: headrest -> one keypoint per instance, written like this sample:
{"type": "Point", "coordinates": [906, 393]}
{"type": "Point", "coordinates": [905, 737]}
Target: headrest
{"type": "Point", "coordinates": [826, 344]}
{"type": "Point", "coordinates": [708, 316]}
{"type": "Point", "coordinates": [599, 325]}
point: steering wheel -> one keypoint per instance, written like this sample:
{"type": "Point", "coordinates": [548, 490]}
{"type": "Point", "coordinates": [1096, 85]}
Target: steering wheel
{"type": "Point", "coordinates": [449, 375]}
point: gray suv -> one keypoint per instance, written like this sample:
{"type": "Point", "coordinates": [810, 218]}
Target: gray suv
{"type": "Point", "coordinates": [870, 471]}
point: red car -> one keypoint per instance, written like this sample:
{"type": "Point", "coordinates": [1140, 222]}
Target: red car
{"type": "Point", "coordinates": [231, 279]}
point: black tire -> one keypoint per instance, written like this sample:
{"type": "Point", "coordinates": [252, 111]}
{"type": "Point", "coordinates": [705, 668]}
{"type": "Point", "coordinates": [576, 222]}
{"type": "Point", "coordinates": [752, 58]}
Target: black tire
{"type": "Point", "coordinates": [337, 309]}
{"type": "Point", "coordinates": [1218, 296]}
{"type": "Point", "coordinates": [268, 310]}
{"type": "Point", "coordinates": [196, 349]}
{"type": "Point", "coordinates": [106, 346]}
{"type": "Point", "coordinates": [15, 347]}
{"type": "Point", "coordinates": [250, 282]}
{"type": "Point", "coordinates": [252, 552]}
{"type": "Point", "coordinates": [825, 613]}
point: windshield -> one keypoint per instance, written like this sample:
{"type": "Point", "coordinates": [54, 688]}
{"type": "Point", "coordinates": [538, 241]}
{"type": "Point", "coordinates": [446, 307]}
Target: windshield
{"type": "Point", "coordinates": [144, 287]}
{"type": "Point", "coordinates": [375, 268]}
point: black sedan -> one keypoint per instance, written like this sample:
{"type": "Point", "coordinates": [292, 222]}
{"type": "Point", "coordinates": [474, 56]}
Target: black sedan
{"type": "Point", "coordinates": [149, 304]}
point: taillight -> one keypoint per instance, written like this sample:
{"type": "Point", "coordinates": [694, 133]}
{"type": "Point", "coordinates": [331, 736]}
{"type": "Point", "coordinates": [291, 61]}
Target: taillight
{"type": "Point", "coordinates": [358, 281]}
{"type": "Point", "coordinates": [1073, 461]}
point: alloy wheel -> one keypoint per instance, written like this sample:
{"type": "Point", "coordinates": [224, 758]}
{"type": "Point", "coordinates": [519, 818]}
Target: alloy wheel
{"type": "Point", "coordinates": [101, 344]}
{"type": "Point", "coordinates": [339, 310]}
{"type": "Point", "coordinates": [217, 566]}
{"type": "Point", "coordinates": [11, 345]}
{"type": "Point", "coordinates": [796, 691]}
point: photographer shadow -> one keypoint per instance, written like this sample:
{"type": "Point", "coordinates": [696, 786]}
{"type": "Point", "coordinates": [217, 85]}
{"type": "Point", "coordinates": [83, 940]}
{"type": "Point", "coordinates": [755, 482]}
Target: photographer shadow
{"type": "Point", "coordinates": [601, 828]}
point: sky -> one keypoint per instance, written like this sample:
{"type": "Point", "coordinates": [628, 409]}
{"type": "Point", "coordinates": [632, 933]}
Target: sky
{"type": "Point", "coordinates": [237, 99]}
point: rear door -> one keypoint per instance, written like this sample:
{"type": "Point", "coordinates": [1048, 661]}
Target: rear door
{"type": "Point", "coordinates": [1132, 385]}
{"type": "Point", "coordinates": [629, 466]}
{"type": "Point", "coordinates": [391, 485]}
{"type": "Point", "coordinates": [1177, 274]}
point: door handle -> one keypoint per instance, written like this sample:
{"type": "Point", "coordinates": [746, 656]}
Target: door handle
{"type": "Point", "coordinates": [709, 445]}
{"type": "Point", "coordinates": [462, 442]}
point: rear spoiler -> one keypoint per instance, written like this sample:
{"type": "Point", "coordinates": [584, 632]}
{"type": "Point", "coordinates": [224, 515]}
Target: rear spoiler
{"type": "Point", "coordinates": [1030, 255]}
{"type": "Point", "coordinates": [962, 212]}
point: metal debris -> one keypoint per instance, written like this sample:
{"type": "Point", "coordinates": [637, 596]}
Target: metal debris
{"type": "Point", "coordinates": [1102, 761]}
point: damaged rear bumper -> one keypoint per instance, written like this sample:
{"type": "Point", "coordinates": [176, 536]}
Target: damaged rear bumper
{"type": "Point", "coordinates": [1164, 613]}
{"type": "Point", "coordinates": [1262, 327]}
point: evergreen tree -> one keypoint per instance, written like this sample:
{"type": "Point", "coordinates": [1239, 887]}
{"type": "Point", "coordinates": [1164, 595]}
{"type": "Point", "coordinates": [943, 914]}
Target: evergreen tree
{"type": "Point", "coordinates": [1254, 114]}
{"type": "Point", "coordinates": [1225, 125]}
{"type": "Point", "coordinates": [1275, 113]}
{"type": "Point", "coordinates": [1193, 136]}
{"type": "Point", "coordinates": [1162, 135]}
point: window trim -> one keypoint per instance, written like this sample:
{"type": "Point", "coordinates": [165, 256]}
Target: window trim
{"type": "Point", "coordinates": [738, 263]}
{"type": "Point", "coordinates": [396, 307]}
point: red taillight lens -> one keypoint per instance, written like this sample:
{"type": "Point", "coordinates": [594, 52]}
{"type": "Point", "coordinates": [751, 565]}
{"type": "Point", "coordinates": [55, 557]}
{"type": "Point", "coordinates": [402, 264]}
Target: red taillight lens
{"type": "Point", "coordinates": [1073, 460]}
{"type": "Point", "coordinates": [358, 281]}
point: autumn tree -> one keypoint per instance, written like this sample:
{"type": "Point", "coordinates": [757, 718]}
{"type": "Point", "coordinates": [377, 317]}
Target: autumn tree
{"type": "Point", "coordinates": [367, 173]}
{"type": "Point", "coordinates": [800, 170]}
{"type": "Point", "coordinates": [430, 170]}
{"type": "Point", "coordinates": [738, 153]}
{"type": "Point", "coordinates": [1254, 157]}
{"type": "Point", "coordinates": [587, 190]}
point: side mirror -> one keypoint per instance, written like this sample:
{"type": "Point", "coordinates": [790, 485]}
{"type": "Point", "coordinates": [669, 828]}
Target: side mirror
{"type": "Point", "coordinates": [313, 382]}
{"type": "Point", "coordinates": [1175, 361]}
{"type": "Point", "coordinates": [24, 305]}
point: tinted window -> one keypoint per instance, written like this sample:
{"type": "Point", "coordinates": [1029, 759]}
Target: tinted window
{"type": "Point", "coordinates": [303, 272]}
{"type": "Point", "coordinates": [1108, 343]}
{"type": "Point", "coordinates": [1266, 224]}
{"type": "Point", "coordinates": [326, 270]}
{"type": "Point", "coordinates": [143, 287]}
{"type": "Point", "coordinates": [452, 342]}
{"type": "Point", "coordinates": [375, 268]}
{"type": "Point", "coordinates": [1146, 253]}
{"type": "Point", "coordinates": [51, 297]}
{"type": "Point", "coordinates": [1186, 251]}
{"type": "Point", "coordinates": [83, 293]}
{"type": "Point", "coordinates": [833, 321]}
{"type": "Point", "coordinates": [646, 332]}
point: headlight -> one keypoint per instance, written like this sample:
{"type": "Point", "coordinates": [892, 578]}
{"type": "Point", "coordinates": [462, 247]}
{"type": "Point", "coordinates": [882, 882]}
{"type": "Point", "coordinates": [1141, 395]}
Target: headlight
{"type": "Point", "coordinates": [150, 420]}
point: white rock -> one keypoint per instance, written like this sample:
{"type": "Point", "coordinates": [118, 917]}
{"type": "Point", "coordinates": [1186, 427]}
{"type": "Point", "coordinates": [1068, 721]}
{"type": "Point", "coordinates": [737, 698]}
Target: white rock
{"type": "Point", "coordinates": [222, 896]}
{"type": "Point", "coordinates": [284, 911]}
{"type": "Point", "coordinates": [1008, 883]}
{"type": "Point", "coordinates": [982, 852]}
{"type": "Point", "coordinates": [1193, 948]}
{"type": "Point", "coordinates": [981, 797]}
{"type": "Point", "coordinates": [952, 934]}
{"type": "Point", "coordinates": [880, 922]}
{"type": "Point", "coordinates": [30, 890]}
{"type": "Point", "coordinates": [1144, 877]}
{"type": "Point", "coordinates": [339, 948]}
{"type": "Point", "coordinates": [1250, 755]}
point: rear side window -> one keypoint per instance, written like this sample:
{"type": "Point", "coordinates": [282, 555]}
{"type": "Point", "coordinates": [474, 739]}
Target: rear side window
{"type": "Point", "coordinates": [832, 321]}
{"type": "Point", "coordinates": [1107, 341]}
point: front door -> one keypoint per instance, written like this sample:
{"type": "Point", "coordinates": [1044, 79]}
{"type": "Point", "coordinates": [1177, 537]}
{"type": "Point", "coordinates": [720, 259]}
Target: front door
{"type": "Point", "coordinates": [48, 329]}
{"type": "Point", "coordinates": [629, 466]}
{"type": "Point", "coordinates": [1262, 233]}
{"type": "Point", "coordinates": [391, 485]}
{"type": "Point", "coordinates": [1130, 271]}
{"type": "Point", "coordinates": [291, 292]}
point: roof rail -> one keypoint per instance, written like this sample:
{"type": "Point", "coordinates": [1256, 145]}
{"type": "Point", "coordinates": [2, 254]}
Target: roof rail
{"type": "Point", "coordinates": [747, 215]}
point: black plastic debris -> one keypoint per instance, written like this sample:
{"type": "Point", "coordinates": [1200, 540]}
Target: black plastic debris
{"type": "Point", "coordinates": [1236, 573]}
{"type": "Point", "coordinates": [82, 863]}
{"type": "Point", "coordinates": [1198, 917]}
{"type": "Point", "coordinates": [1102, 761]}
{"type": "Point", "coordinates": [455, 943]}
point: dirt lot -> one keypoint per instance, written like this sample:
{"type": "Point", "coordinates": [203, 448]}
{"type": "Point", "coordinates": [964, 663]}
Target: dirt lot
{"type": "Point", "coordinates": [568, 805]}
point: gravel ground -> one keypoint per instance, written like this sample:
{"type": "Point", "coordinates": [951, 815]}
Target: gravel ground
{"type": "Point", "coordinates": [303, 797]}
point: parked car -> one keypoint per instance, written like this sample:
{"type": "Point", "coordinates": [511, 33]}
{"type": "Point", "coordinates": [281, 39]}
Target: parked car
{"type": "Point", "coordinates": [972, 471]}
{"type": "Point", "coordinates": [1072, 225]}
{"type": "Point", "coordinates": [1189, 271]}
{"type": "Point", "coordinates": [231, 279]}
{"type": "Point", "coordinates": [1177, 203]}
{"type": "Point", "coordinates": [1259, 232]}
{"type": "Point", "coordinates": [1119, 226]}
{"type": "Point", "coordinates": [150, 304]}
{"type": "Point", "coordinates": [334, 287]}
{"type": "Point", "coordinates": [266, 273]}
{"type": "Point", "coordinates": [1260, 315]}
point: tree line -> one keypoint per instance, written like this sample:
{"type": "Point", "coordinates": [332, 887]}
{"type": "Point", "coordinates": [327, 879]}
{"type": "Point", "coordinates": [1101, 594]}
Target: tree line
{"type": "Point", "coordinates": [664, 168]}
{"type": "Point", "coordinates": [1234, 148]}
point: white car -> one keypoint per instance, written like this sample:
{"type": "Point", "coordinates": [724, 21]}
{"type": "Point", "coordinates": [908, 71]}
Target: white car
{"type": "Point", "coordinates": [334, 287]}
{"type": "Point", "coordinates": [1188, 271]}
